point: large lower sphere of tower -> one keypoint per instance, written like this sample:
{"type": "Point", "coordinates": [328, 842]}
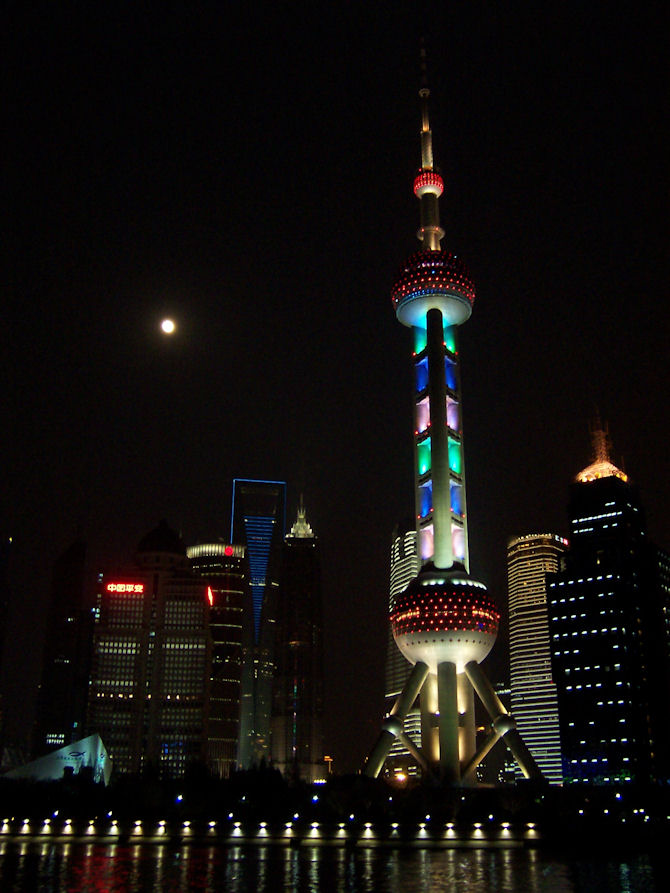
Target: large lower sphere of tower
{"type": "Point", "coordinates": [444, 616]}
{"type": "Point", "coordinates": [433, 280]}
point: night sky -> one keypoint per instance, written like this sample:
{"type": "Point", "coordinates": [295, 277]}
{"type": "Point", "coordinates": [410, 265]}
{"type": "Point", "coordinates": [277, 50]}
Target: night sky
{"type": "Point", "coordinates": [250, 174]}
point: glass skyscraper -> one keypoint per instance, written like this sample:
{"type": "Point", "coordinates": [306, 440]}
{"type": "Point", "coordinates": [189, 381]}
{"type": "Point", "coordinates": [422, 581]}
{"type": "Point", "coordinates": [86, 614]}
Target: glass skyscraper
{"type": "Point", "coordinates": [405, 565]}
{"type": "Point", "coordinates": [258, 522]}
{"type": "Point", "coordinates": [223, 566]}
{"type": "Point", "coordinates": [608, 617]}
{"type": "Point", "coordinates": [533, 690]}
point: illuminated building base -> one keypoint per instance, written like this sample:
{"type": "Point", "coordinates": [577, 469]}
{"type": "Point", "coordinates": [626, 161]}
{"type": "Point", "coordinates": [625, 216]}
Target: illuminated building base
{"type": "Point", "coordinates": [448, 749]}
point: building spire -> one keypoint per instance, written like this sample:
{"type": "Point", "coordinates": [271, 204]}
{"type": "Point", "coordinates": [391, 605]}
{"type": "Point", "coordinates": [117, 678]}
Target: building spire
{"type": "Point", "coordinates": [428, 184]}
{"type": "Point", "coordinates": [426, 133]}
{"type": "Point", "coordinates": [301, 529]}
{"type": "Point", "coordinates": [602, 466]}
{"type": "Point", "coordinates": [600, 438]}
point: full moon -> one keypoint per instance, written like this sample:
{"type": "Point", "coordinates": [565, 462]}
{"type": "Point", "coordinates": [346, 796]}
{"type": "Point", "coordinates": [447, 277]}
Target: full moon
{"type": "Point", "coordinates": [168, 326]}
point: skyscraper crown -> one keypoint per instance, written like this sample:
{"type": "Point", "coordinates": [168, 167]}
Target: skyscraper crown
{"type": "Point", "coordinates": [301, 529]}
{"type": "Point", "coordinates": [601, 467]}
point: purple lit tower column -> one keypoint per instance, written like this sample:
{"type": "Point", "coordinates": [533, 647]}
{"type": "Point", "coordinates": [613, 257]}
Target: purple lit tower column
{"type": "Point", "coordinates": [444, 622]}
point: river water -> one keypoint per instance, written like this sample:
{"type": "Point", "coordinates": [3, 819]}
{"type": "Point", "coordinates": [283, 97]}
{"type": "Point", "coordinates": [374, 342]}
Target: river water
{"type": "Point", "coordinates": [55, 865]}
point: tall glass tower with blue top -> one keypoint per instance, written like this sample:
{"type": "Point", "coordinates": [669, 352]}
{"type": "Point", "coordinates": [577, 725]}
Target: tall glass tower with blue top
{"type": "Point", "coordinates": [258, 522]}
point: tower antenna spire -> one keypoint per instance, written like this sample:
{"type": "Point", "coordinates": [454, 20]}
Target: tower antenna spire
{"type": "Point", "coordinates": [426, 132]}
{"type": "Point", "coordinates": [422, 63]}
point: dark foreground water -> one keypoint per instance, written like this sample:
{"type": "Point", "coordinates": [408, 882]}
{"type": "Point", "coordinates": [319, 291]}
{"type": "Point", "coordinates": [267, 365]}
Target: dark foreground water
{"type": "Point", "coordinates": [50, 866]}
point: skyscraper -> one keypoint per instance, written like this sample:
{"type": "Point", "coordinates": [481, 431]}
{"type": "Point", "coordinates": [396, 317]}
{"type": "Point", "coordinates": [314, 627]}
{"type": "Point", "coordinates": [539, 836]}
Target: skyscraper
{"type": "Point", "coordinates": [443, 621]}
{"type": "Point", "coordinates": [63, 691]}
{"type": "Point", "coordinates": [405, 565]}
{"type": "Point", "coordinates": [608, 619]}
{"type": "Point", "coordinates": [533, 690]}
{"type": "Point", "coordinates": [258, 522]}
{"type": "Point", "coordinates": [297, 703]}
{"type": "Point", "coordinates": [223, 566]}
{"type": "Point", "coordinates": [149, 690]}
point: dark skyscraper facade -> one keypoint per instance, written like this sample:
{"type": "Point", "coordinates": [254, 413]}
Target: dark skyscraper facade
{"type": "Point", "coordinates": [5, 552]}
{"type": "Point", "coordinates": [223, 566]}
{"type": "Point", "coordinates": [258, 523]}
{"type": "Point", "coordinates": [608, 615]}
{"type": "Point", "coordinates": [151, 668]}
{"type": "Point", "coordinates": [297, 702]}
{"type": "Point", "coordinates": [63, 691]}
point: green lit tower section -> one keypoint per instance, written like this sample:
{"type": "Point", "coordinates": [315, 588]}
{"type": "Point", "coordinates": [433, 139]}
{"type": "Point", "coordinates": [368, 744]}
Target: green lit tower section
{"type": "Point", "coordinates": [434, 294]}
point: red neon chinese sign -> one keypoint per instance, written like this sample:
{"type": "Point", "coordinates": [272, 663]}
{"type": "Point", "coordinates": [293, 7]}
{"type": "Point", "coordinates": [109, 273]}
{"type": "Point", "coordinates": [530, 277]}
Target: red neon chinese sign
{"type": "Point", "coordinates": [125, 587]}
{"type": "Point", "coordinates": [210, 596]}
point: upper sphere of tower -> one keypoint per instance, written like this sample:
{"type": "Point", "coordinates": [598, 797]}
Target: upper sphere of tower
{"type": "Point", "coordinates": [433, 279]}
{"type": "Point", "coordinates": [444, 616]}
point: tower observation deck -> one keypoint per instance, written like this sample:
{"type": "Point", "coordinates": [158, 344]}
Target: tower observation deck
{"type": "Point", "coordinates": [444, 621]}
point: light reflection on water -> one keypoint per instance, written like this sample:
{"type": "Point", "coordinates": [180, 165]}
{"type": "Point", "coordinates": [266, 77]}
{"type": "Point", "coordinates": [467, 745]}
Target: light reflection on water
{"type": "Point", "coordinates": [112, 868]}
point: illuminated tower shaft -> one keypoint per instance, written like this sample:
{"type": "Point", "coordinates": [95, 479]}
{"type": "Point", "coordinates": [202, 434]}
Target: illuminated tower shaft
{"type": "Point", "coordinates": [440, 494]}
{"type": "Point", "coordinates": [433, 295]}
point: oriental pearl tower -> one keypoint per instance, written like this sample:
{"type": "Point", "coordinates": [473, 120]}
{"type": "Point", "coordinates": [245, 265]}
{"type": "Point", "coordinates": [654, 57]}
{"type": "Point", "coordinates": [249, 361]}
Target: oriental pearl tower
{"type": "Point", "coordinates": [444, 622]}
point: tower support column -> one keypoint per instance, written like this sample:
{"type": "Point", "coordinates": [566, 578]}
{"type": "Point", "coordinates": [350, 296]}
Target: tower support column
{"type": "Point", "coordinates": [447, 696]}
{"type": "Point", "coordinates": [430, 741]}
{"type": "Point", "coordinates": [393, 724]}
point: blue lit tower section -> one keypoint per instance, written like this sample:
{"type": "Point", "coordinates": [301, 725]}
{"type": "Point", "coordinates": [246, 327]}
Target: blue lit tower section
{"type": "Point", "coordinates": [258, 522]}
{"type": "Point", "coordinates": [444, 622]}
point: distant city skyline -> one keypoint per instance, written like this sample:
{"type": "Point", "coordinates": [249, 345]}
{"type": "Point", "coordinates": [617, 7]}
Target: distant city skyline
{"type": "Point", "coordinates": [155, 171]}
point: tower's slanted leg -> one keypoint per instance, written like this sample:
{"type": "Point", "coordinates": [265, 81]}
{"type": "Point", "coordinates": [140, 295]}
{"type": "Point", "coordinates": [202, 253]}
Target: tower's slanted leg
{"type": "Point", "coordinates": [393, 724]}
{"type": "Point", "coordinates": [467, 735]}
{"type": "Point", "coordinates": [414, 751]}
{"type": "Point", "coordinates": [504, 725]}
{"type": "Point", "coordinates": [501, 725]}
